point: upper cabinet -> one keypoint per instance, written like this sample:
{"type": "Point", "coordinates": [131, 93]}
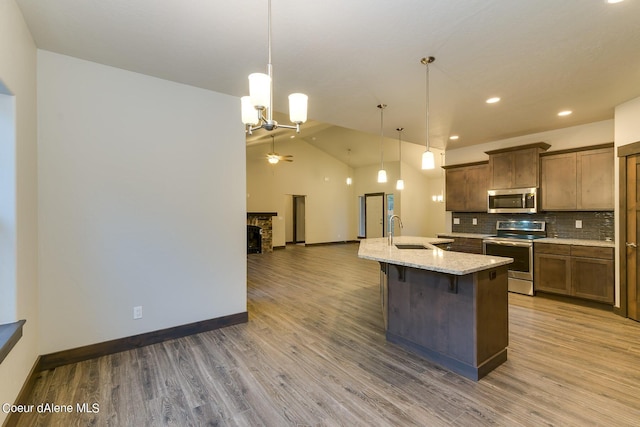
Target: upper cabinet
{"type": "Point", "coordinates": [515, 167]}
{"type": "Point", "coordinates": [466, 187]}
{"type": "Point", "coordinates": [578, 180]}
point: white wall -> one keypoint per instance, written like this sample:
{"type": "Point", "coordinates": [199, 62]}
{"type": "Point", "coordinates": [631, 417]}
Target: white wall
{"type": "Point", "coordinates": [141, 202]}
{"type": "Point", "coordinates": [627, 122]}
{"type": "Point", "coordinates": [18, 225]}
{"type": "Point", "coordinates": [314, 174]}
{"type": "Point", "coordinates": [560, 139]}
{"type": "Point", "coordinates": [365, 182]}
{"type": "Point", "coordinates": [421, 216]}
{"type": "Point", "coordinates": [627, 131]}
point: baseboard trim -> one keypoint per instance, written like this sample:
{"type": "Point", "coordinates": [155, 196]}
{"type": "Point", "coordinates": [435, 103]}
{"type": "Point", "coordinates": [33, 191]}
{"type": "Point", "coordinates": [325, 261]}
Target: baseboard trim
{"type": "Point", "coordinates": [74, 355]}
{"type": "Point", "coordinates": [341, 242]}
{"type": "Point", "coordinates": [13, 417]}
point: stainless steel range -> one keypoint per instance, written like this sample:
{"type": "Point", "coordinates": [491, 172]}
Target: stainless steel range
{"type": "Point", "coordinates": [514, 239]}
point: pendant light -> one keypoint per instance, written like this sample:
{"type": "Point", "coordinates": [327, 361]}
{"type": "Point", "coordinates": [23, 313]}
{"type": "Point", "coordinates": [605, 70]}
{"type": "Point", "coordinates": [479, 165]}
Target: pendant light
{"type": "Point", "coordinates": [349, 180]}
{"type": "Point", "coordinates": [260, 100]}
{"type": "Point", "coordinates": [400, 181]}
{"type": "Point", "coordinates": [428, 160]}
{"type": "Point", "coordinates": [382, 174]}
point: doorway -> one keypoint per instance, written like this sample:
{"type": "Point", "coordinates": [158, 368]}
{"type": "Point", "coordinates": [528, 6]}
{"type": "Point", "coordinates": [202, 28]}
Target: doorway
{"type": "Point", "coordinates": [374, 215]}
{"type": "Point", "coordinates": [299, 219]}
{"type": "Point", "coordinates": [629, 164]}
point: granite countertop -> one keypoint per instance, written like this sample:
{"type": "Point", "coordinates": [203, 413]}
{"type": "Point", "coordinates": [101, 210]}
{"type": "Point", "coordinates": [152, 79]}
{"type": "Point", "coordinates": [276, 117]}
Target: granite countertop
{"type": "Point", "coordinates": [578, 242]}
{"type": "Point", "coordinates": [433, 259]}
{"type": "Point", "coordinates": [556, 240]}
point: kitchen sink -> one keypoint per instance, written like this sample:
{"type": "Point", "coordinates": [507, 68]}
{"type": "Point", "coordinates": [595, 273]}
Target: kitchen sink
{"type": "Point", "coordinates": [410, 246]}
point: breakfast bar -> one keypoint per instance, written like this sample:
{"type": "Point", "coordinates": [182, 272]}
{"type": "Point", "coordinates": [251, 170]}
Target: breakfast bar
{"type": "Point", "coordinates": [448, 307]}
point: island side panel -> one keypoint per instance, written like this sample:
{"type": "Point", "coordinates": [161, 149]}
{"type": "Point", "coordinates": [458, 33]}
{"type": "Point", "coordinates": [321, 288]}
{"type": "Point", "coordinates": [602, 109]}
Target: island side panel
{"type": "Point", "coordinates": [460, 329]}
{"type": "Point", "coordinates": [492, 309]}
{"type": "Point", "coordinates": [423, 311]}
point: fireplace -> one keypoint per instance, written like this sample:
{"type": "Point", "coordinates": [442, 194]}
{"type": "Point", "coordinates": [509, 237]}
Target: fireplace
{"type": "Point", "coordinates": [254, 239]}
{"type": "Point", "coordinates": [263, 221]}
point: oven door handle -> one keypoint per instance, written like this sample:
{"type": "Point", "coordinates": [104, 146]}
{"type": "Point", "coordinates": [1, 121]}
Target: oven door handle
{"type": "Point", "coordinates": [502, 243]}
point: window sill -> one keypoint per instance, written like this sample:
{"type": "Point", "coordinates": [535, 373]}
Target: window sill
{"type": "Point", "coordinates": [10, 334]}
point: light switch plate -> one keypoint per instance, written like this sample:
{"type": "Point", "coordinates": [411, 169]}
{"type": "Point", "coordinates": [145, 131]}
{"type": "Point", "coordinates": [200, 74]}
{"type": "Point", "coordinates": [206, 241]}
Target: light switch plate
{"type": "Point", "coordinates": [474, 221]}
{"type": "Point", "coordinates": [578, 223]}
{"type": "Point", "coordinates": [456, 221]}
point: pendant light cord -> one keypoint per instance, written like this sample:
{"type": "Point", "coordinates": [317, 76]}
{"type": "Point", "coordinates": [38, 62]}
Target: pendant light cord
{"type": "Point", "coordinates": [381, 107]}
{"type": "Point", "coordinates": [427, 97]}
{"type": "Point", "coordinates": [400, 149]}
{"type": "Point", "coordinates": [426, 61]}
{"type": "Point", "coordinates": [270, 68]}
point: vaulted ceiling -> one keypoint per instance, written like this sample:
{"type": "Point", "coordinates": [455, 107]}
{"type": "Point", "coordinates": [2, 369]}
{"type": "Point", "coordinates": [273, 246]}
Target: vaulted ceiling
{"type": "Point", "coordinates": [538, 56]}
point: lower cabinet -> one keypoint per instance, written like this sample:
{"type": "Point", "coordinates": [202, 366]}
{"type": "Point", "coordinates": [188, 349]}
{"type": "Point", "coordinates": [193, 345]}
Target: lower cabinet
{"type": "Point", "coordinates": [470, 245]}
{"type": "Point", "coordinates": [581, 271]}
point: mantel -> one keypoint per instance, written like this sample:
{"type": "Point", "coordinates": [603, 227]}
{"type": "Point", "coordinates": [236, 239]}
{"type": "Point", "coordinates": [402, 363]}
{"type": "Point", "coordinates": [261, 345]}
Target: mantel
{"type": "Point", "coordinates": [269, 214]}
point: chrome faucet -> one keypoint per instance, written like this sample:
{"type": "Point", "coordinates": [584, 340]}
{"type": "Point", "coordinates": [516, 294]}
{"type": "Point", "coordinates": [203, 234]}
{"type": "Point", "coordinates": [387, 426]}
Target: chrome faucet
{"type": "Point", "coordinates": [390, 235]}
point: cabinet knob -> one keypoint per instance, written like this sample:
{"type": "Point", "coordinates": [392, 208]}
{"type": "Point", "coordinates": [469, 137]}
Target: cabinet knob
{"type": "Point", "coordinates": [631, 245]}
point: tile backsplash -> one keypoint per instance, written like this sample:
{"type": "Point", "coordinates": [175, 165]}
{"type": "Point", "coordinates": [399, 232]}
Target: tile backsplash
{"type": "Point", "coordinates": [595, 225]}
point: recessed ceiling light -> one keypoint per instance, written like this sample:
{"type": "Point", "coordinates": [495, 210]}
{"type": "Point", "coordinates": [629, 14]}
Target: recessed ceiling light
{"type": "Point", "coordinates": [565, 113]}
{"type": "Point", "coordinates": [614, 1]}
{"type": "Point", "coordinates": [493, 100]}
{"type": "Point", "coordinates": [454, 137]}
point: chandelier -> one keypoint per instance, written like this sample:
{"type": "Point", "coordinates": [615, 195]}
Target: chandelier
{"type": "Point", "coordinates": [257, 108]}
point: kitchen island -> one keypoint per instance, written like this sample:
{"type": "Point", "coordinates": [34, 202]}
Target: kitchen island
{"type": "Point", "coordinates": [448, 307]}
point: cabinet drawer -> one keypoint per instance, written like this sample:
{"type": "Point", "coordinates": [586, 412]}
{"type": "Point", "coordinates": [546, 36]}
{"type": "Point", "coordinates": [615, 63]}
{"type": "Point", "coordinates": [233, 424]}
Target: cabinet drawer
{"type": "Point", "coordinates": [551, 248]}
{"type": "Point", "coordinates": [592, 252]}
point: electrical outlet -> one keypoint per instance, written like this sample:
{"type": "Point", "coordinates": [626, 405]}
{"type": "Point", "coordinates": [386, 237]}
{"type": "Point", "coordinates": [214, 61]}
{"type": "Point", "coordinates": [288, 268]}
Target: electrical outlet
{"type": "Point", "coordinates": [456, 221]}
{"type": "Point", "coordinates": [474, 221]}
{"type": "Point", "coordinates": [578, 223]}
{"type": "Point", "coordinates": [137, 312]}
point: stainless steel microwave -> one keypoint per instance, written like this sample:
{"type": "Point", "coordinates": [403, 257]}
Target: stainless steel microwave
{"type": "Point", "coordinates": [513, 200]}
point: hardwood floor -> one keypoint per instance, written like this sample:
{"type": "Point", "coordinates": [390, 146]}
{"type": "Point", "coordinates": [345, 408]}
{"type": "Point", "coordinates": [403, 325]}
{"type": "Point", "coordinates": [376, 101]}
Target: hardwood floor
{"type": "Point", "coordinates": [314, 353]}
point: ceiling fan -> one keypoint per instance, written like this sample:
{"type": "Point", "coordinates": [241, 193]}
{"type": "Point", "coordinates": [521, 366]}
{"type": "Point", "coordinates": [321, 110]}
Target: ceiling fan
{"type": "Point", "coordinates": [274, 157]}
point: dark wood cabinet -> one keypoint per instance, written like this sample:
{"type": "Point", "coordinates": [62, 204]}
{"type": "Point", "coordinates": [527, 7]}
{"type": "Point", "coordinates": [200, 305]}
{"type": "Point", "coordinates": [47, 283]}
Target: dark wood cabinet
{"type": "Point", "coordinates": [515, 167]}
{"type": "Point", "coordinates": [558, 182]}
{"type": "Point", "coordinates": [552, 268]}
{"type": "Point", "coordinates": [466, 187]}
{"type": "Point", "coordinates": [595, 176]}
{"type": "Point", "coordinates": [469, 245]}
{"type": "Point", "coordinates": [464, 328]}
{"type": "Point", "coordinates": [582, 271]}
{"type": "Point", "coordinates": [578, 180]}
{"type": "Point", "coordinates": [592, 273]}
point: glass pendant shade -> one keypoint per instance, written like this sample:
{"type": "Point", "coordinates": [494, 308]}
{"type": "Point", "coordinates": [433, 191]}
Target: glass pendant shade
{"type": "Point", "coordinates": [382, 176]}
{"type": "Point", "coordinates": [298, 108]}
{"type": "Point", "coordinates": [250, 115]}
{"type": "Point", "coordinates": [428, 160]}
{"type": "Point", "coordinates": [400, 184]}
{"type": "Point", "coordinates": [260, 90]}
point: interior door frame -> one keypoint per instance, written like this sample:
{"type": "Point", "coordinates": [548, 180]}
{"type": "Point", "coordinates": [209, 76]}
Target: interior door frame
{"type": "Point", "coordinates": [384, 204]}
{"type": "Point", "coordinates": [298, 221]}
{"type": "Point", "coordinates": [623, 152]}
